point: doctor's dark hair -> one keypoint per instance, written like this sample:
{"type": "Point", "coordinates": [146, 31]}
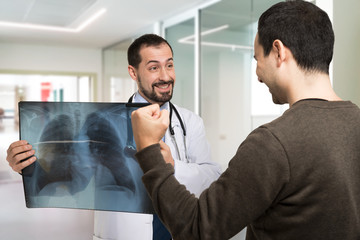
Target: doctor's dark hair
{"type": "Point", "coordinates": [146, 40]}
{"type": "Point", "coordinates": [303, 28]}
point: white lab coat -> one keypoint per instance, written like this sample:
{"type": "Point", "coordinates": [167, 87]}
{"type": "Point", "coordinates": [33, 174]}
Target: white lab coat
{"type": "Point", "coordinates": [196, 172]}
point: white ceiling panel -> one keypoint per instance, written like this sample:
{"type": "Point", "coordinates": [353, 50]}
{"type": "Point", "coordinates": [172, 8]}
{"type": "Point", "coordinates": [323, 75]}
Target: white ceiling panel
{"type": "Point", "coordinates": [45, 12]}
{"type": "Point", "coordinates": [14, 10]}
{"type": "Point", "coordinates": [57, 13]}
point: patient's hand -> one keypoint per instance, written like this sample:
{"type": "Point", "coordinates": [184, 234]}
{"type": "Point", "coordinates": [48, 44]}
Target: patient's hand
{"type": "Point", "coordinates": [149, 125]}
{"type": "Point", "coordinates": [165, 151]}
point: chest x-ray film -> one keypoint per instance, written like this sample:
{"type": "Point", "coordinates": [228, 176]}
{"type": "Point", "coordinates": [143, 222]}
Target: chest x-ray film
{"type": "Point", "coordinates": [85, 157]}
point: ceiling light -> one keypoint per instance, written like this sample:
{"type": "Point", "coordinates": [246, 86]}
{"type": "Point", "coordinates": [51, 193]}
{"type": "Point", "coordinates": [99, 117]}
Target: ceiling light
{"type": "Point", "coordinates": [217, 29]}
{"type": "Point", "coordinates": [54, 28]}
{"type": "Point", "coordinates": [36, 27]}
{"type": "Point", "coordinates": [91, 19]}
{"type": "Point", "coordinates": [190, 40]}
{"type": "Point", "coordinates": [226, 45]}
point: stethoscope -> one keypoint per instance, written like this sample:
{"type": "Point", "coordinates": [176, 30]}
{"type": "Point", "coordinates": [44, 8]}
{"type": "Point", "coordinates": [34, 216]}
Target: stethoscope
{"type": "Point", "coordinates": [172, 109]}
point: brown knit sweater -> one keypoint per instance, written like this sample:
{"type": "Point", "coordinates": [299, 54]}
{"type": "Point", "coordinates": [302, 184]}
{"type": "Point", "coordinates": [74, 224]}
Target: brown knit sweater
{"type": "Point", "coordinates": [297, 177]}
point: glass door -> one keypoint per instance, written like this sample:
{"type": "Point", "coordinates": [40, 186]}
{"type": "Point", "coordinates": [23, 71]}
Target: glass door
{"type": "Point", "coordinates": [181, 38]}
{"type": "Point", "coordinates": [228, 30]}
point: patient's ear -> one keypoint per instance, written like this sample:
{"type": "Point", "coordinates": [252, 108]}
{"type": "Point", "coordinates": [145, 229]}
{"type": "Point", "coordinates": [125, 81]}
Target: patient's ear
{"type": "Point", "coordinates": [280, 51]}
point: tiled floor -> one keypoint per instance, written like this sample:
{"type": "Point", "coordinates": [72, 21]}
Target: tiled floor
{"type": "Point", "coordinates": [18, 222]}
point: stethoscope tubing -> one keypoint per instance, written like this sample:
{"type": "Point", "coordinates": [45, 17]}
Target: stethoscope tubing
{"type": "Point", "coordinates": [172, 109]}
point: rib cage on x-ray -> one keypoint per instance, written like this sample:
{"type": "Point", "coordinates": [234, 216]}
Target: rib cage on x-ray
{"type": "Point", "coordinates": [85, 155]}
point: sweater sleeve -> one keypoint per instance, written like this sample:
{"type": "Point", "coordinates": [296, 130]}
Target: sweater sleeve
{"type": "Point", "coordinates": [255, 176]}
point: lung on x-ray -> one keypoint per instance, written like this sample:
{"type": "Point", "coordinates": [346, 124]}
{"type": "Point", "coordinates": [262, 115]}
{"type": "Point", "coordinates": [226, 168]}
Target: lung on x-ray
{"type": "Point", "coordinates": [85, 157]}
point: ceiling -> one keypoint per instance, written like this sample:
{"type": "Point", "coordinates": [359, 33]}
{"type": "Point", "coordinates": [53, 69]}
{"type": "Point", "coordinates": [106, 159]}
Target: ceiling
{"type": "Point", "coordinates": [121, 20]}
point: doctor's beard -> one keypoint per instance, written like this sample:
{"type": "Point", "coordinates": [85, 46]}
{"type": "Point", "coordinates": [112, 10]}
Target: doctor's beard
{"type": "Point", "coordinates": [153, 96]}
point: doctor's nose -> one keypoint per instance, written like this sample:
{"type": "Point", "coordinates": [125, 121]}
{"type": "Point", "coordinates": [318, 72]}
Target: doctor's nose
{"type": "Point", "coordinates": [165, 74]}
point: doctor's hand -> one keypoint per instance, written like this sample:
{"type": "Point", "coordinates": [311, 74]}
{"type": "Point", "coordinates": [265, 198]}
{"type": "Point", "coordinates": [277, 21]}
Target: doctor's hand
{"type": "Point", "coordinates": [165, 151]}
{"type": "Point", "coordinates": [16, 154]}
{"type": "Point", "coordinates": [149, 125]}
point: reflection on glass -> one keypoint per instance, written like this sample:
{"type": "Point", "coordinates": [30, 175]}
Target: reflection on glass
{"type": "Point", "coordinates": [85, 155]}
{"type": "Point", "coordinates": [226, 53]}
{"type": "Point", "coordinates": [227, 32]}
{"type": "Point", "coordinates": [181, 39]}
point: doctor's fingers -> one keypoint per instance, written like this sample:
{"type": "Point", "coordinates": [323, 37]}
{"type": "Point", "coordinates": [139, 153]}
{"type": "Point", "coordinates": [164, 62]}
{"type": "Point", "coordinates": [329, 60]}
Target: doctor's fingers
{"type": "Point", "coordinates": [21, 165]}
{"type": "Point", "coordinates": [164, 146]}
{"type": "Point", "coordinates": [20, 156]}
{"type": "Point", "coordinates": [21, 161]}
{"type": "Point", "coordinates": [18, 147]}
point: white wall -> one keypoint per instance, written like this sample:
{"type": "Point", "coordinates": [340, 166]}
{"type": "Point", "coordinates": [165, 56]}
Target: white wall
{"type": "Point", "coordinates": [27, 57]}
{"type": "Point", "coordinates": [234, 105]}
{"type": "Point", "coordinates": [116, 68]}
{"type": "Point", "coordinates": [346, 64]}
{"type": "Point", "coordinates": [225, 102]}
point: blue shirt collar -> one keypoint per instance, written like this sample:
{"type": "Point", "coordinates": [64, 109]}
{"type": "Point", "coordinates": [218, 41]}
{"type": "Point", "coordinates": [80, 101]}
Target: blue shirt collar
{"type": "Point", "coordinates": [139, 99]}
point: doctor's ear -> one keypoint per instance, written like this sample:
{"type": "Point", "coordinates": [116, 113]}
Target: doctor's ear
{"type": "Point", "coordinates": [132, 72]}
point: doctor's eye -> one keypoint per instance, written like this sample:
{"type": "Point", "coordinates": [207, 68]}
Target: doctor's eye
{"type": "Point", "coordinates": [153, 68]}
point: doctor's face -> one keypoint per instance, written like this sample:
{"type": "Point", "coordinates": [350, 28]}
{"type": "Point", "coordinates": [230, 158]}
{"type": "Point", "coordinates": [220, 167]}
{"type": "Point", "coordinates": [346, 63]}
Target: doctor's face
{"type": "Point", "coordinates": [155, 74]}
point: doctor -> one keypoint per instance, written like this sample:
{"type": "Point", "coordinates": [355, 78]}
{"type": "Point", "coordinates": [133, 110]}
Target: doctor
{"type": "Point", "coordinates": [151, 65]}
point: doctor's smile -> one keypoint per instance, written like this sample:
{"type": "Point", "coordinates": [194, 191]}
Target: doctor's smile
{"type": "Point", "coordinates": [164, 86]}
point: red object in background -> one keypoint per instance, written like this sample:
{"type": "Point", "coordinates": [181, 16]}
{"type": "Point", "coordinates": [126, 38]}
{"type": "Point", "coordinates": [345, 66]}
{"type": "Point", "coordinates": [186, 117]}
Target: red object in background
{"type": "Point", "coordinates": [45, 91]}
